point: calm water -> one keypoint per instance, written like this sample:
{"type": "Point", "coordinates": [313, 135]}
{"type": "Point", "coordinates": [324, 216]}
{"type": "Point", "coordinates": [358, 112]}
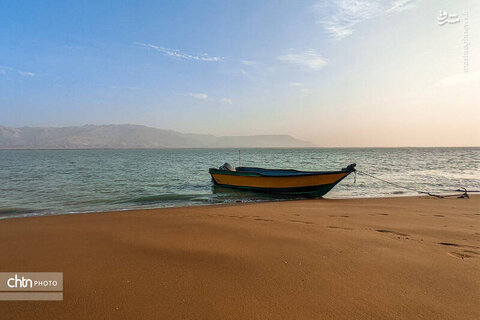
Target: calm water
{"type": "Point", "coordinates": [41, 182]}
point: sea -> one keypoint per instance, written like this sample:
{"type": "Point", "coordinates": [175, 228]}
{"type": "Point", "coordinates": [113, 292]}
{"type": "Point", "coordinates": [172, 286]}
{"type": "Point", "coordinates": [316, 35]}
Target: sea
{"type": "Point", "coordinates": [49, 182]}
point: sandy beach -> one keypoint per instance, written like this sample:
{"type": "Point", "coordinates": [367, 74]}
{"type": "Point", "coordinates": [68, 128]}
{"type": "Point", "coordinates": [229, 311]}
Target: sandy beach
{"type": "Point", "coordinates": [390, 258]}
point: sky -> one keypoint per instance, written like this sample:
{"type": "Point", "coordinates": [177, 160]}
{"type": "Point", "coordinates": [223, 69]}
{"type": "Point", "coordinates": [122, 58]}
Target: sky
{"type": "Point", "coordinates": [340, 73]}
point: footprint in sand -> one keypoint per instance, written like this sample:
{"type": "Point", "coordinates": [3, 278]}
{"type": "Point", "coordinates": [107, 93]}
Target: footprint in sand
{"type": "Point", "coordinates": [299, 221]}
{"type": "Point", "coordinates": [439, 215]}
{"type": "Point", "coordinates": [335, 227]}
{"type": "Point", "coordinates": [334, 216]}
{"type": "Point", "coordinates": [392, 232]}
{"type": "Point", "coordinates": [465, 254]}
{"type": "Point", "coordinates": [378, 214]}
{"type": "Point", "coordinates": [460, 255]}
{"type": "Point", "coordinates": [450, 244]}
{"type": "Point", "coordinates": [472, 252]}
{"type": "Point", "coordinates": [260, 219]}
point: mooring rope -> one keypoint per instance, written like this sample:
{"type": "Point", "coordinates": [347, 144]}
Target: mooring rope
{"type": "Point", "coordinates": [464, 191]}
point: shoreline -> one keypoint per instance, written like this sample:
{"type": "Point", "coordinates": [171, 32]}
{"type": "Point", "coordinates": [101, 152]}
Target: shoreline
{"type": "Point", "coordinates": [399, 257]}
{"type": "Point", "coordinates": [38, 215]}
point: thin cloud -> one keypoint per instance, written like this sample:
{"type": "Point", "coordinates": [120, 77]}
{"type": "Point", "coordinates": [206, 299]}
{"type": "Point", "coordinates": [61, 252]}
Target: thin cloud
{"type": "Point", "coordinates": [123, 88]}
{"type": "Point", "coordinates": [226, 101]}
{"type": "Point", "coordinates": [340, 17]}
{"type": "Point", "coordinates": [300, 86]}
{"type": "Point", "coordinates": [26, 73]}
{"type": "Point", "coordinates": [4, 68]}
{"type": "Point", "coordinates": [459, 79]}
{"type": "Point", "coordinates": [198, 95]}
{"type": "Point", "coordinates": [296, 84]}
{"type": "Point", "coordinates": [310, 59]}
{"type": "Point", "coordinates": [177, 54]}
{"type": "Point", "coordinates": [401, 5]}
{"type": "Point", "coordinates": [249, 62]}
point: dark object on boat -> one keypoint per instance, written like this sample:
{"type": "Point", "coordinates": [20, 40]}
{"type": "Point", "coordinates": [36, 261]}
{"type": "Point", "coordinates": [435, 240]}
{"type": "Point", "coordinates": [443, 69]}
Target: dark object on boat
{"type": "Point", "coordinates": [280, 181]}
{"type": "Point", "coordinates": [227, 166]}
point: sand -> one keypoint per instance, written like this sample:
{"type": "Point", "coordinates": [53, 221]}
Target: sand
{"type": "Point", "coordinates": [392, 258]}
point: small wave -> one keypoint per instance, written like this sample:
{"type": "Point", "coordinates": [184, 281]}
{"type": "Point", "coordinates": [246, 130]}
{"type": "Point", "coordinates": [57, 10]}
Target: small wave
{"type": "Point", "coordinates": [164, 198]}
{"type": "Point", "coordinates": [94, 201]}
{"type": "Point", "coordinates": [15, 211]}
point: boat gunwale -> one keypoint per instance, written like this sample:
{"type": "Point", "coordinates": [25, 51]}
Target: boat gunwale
{"type": "Point", "coordinates": [298, 173]}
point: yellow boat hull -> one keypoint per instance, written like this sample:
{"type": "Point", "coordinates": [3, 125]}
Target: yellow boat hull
{"type": "Point", "coordinates": [280, 181]}
{"type": "Point", "coordinates": [277, 182]}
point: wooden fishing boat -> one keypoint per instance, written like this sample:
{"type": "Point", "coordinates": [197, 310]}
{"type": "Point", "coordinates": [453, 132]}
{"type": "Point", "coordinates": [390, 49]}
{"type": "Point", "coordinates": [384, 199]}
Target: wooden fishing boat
{"type": "Point", "coordinates": [279, 181]}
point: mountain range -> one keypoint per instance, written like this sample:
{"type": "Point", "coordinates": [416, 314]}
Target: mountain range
{"type": "Point", "coordinates": [127, 136]}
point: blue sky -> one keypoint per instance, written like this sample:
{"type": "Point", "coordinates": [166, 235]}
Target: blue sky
{"type": "Point", "coordinates": [338, 73]}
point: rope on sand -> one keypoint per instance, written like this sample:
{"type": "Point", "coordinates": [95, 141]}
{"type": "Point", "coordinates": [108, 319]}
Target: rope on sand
{"type": "Point", "coordinates": [463, 191]}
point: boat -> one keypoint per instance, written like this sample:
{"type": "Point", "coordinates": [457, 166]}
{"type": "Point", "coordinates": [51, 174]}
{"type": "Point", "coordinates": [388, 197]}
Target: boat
{"type": "Point", "coordinates": [279, 181]}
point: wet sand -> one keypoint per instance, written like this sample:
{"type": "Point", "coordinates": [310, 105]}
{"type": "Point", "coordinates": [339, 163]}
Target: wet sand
{"type": "Point", "coordinates": [392, 258]}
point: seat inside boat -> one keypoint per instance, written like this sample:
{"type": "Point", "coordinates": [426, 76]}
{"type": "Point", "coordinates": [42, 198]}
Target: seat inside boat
{"type": "Point", "coordinates": [275, 172]}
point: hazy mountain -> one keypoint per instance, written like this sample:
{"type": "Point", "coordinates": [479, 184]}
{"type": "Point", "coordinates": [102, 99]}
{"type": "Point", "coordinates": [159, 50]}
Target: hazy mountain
{"type": "Point", "coordinates": [130, 136]}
